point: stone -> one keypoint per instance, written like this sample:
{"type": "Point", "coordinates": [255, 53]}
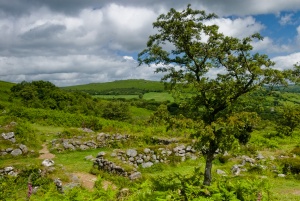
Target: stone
{"type": "Point", "coordinates": [89, 158]}
{"type": "Point", "coordinates": [12, 173]}
{"type": "Point", "coordinates": [48, 163]}
{"type": "Point", "coordinates": [188, 148]}
{"type": "Point", "coordinates": [260, 157]}
{"type": "Point", "coordinates": [135, 175]}
{"type": "Point", "coordinates": [101, 154]}
{"type": "Point", "coordinates": [23, 148]}
{"type": "Point", "coordinates": [8, 136]}
{"type": "Point", "coordinates": [131, 159]}
{"type": "Point", "coordinates": [8, 169]}
{"type": "Point", "coordinates": [131, 152]}
{"type": "Point", "coordinates": [83, 147]}
{"type": "Point", "coordinates": [248, 159]}
{"type": "Point", "coordinates": [235, 170]}
{"type": "Point", "coordinates": [16, 152]}
{"type": "Point", "coordinates": [9, 150]}
{"type": "Point", "coordinates": [140, 161]}
{"type": "Point", "coordinates": [221, 172]}
{"type": "Point", "coordinates": [147, 150]}
{"type": "Point", "coordinates": [147, 164]}
{"type": "Point", "coordinates": [281, 175]}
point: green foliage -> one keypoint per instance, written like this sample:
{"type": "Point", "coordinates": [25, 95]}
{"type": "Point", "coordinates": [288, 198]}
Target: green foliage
{"type": "Point", "coordinates": [190, 187]}
{"type": "Point", "coordinates": [120, 87]}
{"type": "Point", "coordinates": [289, 120]}
{"type": "Point", "coordinates": [296, 150]}
{"type": "Point", "coordinates": [291, 165]}
{"type": "Point", "coordinates": [211, 100]}
{"type": "Point", "coordinates": [116, 111]}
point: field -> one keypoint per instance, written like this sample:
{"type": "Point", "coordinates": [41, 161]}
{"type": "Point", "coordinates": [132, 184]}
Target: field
{"type": "Point", "coordinates": [38, 125]}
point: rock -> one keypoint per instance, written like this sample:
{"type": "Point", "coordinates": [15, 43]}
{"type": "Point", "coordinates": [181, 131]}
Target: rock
{"type": "Point", "coordinates": [12, 173]}
{"type": "Point", "coordinates": [101, 154]}
{"type": "Point", "coordinates": [89, 158]}
{"type": "Point", "coordinates": [135, 175]}
{"type": "Point", "coordinates": [140, 161]}
{"type": "Point", "coordinates": [48, 163]}
{"type": "Point", "coordinates": [87, 130]}
{"type": "Point", "coordinates": [83, 147]}
{"type": "Point", "coordinates": [9, 150]}
{"type": "Point", "coordinates": [147, 151]}
{"type": "Point", "coordinates": [131, 152]}
{"type": "Point", "coordinates": [23, 148]}
{"type": "Point", "coordinates": [146, 165]}
{"type": "Point", "coordinates": [281, 175]}
{"type": "Point", "coordinates": [221, 172]}
{"type": "Point", "coordinates": [58, 184]}
{"type": "Point", "coordinates": [235, 170]}
{"type": "Point", "coordinates": [248, 159]}
{"type": "Point", "coordinates": [16, 152]}
{"type": "Point", "coordinates": [8, 136]}
{"type": "Point", "coordinates": [260, 157]}
{"type": "Point", "coordinates": [8, 169]}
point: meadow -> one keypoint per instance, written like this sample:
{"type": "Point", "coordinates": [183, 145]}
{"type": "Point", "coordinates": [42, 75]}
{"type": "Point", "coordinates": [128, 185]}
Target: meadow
{"type": "Point", "coordinates": [38, 124]}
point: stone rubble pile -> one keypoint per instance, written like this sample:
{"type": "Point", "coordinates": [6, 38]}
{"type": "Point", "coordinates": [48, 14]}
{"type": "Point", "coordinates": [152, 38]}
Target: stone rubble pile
{"type": "Point", "coordinates": [80, 143]}
{"type": "Point", "coordinates": [148, 157]}
{"type": "Point", "coordinates": [109, 166]}
{"type": "Point", "coordinates": [19, 150]}
{"type": "Point", "coordinates": [8, 171]}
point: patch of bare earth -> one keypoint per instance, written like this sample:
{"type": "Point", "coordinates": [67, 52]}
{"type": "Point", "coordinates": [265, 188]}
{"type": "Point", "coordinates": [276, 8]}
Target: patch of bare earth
{"type": "Point", "coordinates": [45, 154]}
{"type": "Point", "coordinates": [87, 180]}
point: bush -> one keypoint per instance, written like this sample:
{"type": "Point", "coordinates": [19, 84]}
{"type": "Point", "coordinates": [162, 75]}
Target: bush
{"type": "Point", "coordinates": [291, 165]}
{"type": "Point", "coordinates": [296, 150]}
{"type": "Point", "coordinates": [189, 187]}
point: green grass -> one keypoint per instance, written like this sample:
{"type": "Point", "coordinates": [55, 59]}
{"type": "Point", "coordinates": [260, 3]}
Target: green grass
{"type": "Point", "coordinates": [158, 96]}
{"type": "Point", "coordinates": [74, 161]}
{"type": "Point", "coordinates": [119, 84]}
{"type": "Point", "coordinates": [116, 96]}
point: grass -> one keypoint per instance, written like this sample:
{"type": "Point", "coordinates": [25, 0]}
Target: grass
{"type": "Point", "coordinates": [116, 96]}
{"type": "Point", "coordinates": [70, 160]}
{"type": "Point", "coordinates": [119, 84]}
{"type": "Point", "coordinates": [158, 96]}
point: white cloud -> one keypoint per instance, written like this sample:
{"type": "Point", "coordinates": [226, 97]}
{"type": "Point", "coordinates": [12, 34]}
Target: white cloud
{"type": "Point", "coordinates": [286, 19]}
{"type": "Point", "coordinates": [286, 62]}
{"type": "Point", "coordinates": [240, 27]}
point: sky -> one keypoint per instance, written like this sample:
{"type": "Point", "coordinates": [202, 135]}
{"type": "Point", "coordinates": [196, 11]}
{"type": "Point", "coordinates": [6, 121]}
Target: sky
{"type": "Point", "coordinates": [72, 42]}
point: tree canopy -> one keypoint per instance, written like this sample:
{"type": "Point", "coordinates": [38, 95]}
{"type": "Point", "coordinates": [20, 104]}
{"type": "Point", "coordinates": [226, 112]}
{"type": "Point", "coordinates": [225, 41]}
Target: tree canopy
{"type": "Point", "coordinates": [208, 72]}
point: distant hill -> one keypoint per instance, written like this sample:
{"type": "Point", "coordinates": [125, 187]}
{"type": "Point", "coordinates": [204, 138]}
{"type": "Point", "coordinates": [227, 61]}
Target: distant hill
{"type": "Point", "coordinates": [133, 86]}
{"type": "Point", "coordinates": [290, 88]}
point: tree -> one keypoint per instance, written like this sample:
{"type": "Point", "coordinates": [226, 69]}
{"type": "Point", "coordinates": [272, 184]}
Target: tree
{"type": "Point", "coordinates": [188, 50]}
{"type": "Point", "coordinates": [289, 120]}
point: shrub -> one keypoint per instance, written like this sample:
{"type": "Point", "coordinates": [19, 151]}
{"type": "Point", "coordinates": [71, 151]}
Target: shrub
{"type": "Point", "coordinates": [296, 150]}
{"type": "Point", "coordinates": [291, 165]}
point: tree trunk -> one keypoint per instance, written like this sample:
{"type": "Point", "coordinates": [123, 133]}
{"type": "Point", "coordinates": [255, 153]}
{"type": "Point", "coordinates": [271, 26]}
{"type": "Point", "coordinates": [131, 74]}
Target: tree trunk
{"type": "Point", "coordinates": [208, 166]}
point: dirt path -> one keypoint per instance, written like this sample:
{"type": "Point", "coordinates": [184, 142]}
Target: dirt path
{"type": "Point", "coordinates": [87, 180]}
{"type": "Point", "coordinates": [45, 154]}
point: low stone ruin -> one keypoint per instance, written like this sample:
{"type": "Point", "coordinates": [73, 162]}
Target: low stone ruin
{"type": "Point", "coordinates": [144, 159]}
{"type": "Point", "coordinates": [16, 151]}
{"type": "Point", "coordinates": [82, 143]}
{"type": "Point", "coordinates": [10, 136]}
{"type": "Point", "coordinates": [109, 166]}
{"type": "Point", "coordinates": [8, 171]}
{"type": "Point", "coordinates": [147, 157]}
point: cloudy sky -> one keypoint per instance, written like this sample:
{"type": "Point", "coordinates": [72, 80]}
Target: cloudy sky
{"type": "Point", "coordinates": [70, 42]}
